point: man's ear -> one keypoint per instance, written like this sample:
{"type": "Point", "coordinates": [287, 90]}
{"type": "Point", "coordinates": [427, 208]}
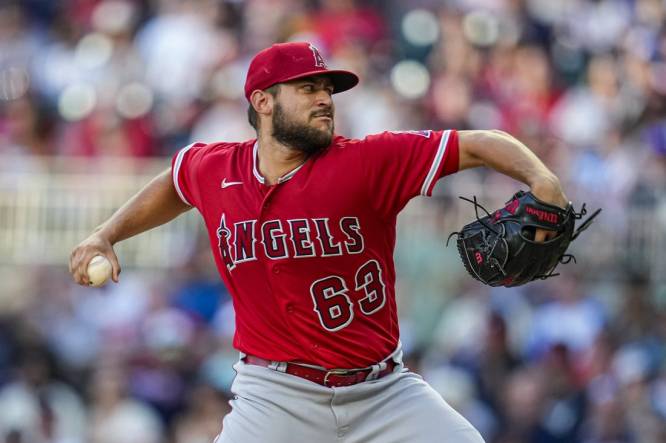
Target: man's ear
{"type": "Point", "coordinates": [262, 102]}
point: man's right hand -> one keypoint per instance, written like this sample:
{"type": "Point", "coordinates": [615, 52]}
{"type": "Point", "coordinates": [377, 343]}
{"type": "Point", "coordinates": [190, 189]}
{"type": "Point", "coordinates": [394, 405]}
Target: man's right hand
{"type": "Point", "coordinates": [94, 245]}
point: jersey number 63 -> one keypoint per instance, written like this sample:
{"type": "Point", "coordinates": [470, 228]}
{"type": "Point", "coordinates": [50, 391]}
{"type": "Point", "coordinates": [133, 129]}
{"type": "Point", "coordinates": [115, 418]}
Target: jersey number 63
{"type": "Point", "coordinates": [333, 304]}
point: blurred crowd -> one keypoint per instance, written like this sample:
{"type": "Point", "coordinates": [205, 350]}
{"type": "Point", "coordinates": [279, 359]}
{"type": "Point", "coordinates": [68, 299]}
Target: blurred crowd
{"type": "Point", "coordinates": [582, 82]}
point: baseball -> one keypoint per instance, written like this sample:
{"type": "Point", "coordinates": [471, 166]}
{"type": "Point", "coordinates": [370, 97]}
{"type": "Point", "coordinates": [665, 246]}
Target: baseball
{"type": "Point", "coordinates": [99, 271]}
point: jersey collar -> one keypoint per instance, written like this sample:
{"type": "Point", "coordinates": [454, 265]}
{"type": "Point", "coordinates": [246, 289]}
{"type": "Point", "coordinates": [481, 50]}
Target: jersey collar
{"type": "Point", "coordinates": [259, 177]}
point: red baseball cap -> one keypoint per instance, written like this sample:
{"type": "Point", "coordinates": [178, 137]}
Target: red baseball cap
{"type": "Point", "coordinates": [288, 61]}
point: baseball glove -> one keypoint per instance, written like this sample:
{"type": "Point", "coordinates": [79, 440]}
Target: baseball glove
{"type": "Point", "coordinates": [499, 249]}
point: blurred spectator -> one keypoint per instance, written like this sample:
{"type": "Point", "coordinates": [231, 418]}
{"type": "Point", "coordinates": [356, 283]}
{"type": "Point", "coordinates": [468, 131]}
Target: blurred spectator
{"type": "Point", "coordinates": [572, 319]}
{"type": "Point", "coordinates": [36, 406]}
{"type": "Point", "coordinates": [340, 22]}
{"type": "Point", "coordinates": [564, 400]}
{"type": "Point", "coordinates": [115, 417]}
{"type": "Point", "coordinates": [202, 420]}
{"type": "Point", "coordinates": [27, 128]}
{"type": "Point", "coordinates": [495, 363]}
{"type": "Point", "coordinates": [522, 403]}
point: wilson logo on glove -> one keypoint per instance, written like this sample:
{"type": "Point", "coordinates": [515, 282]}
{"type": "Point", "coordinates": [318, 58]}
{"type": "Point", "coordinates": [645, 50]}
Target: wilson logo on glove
{"type": "Point", "coordinates": [541, 215]}
{"type": "Point", "coordinates": [499, 249]}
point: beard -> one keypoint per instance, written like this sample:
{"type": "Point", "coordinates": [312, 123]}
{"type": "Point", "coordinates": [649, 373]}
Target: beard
{"type": "Point", "coordinates": [299, 136]}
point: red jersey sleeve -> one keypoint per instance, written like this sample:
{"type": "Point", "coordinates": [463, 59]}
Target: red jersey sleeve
{"type": "Point", "coordinates": [401, 165]}
{"type": "Point", "coordinates": [185, 167]}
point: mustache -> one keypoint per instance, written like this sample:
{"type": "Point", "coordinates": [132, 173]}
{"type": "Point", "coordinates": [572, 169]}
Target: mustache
{"type": "Point", "coordinates": [328, 112]}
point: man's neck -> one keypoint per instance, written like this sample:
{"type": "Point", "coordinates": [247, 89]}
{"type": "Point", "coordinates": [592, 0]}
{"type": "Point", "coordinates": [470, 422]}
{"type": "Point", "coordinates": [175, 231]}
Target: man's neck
{"type": "Point", "coordinates": [275, 159]}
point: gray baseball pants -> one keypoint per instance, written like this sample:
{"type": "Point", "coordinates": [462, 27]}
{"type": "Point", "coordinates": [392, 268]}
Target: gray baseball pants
{"type": "Point", "coordinates": [274, 407]}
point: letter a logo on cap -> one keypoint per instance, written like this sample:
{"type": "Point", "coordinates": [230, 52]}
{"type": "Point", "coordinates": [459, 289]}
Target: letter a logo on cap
{"type": "Point", "coordinates": [319, 60]}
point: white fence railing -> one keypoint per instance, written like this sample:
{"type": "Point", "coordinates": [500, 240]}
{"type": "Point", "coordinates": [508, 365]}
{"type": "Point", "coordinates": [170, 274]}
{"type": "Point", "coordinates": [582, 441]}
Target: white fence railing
{"type": "Point", "coordinates": [48, 206]}
{"type": "Point", "coordinates": [45, 213]}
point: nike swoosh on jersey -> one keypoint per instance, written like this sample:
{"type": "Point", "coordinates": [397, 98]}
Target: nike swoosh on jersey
{"type": "Point", "coordinates": [226, 184]}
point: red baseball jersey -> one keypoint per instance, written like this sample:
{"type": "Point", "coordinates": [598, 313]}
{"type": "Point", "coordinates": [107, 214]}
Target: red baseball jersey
{"type": "Point", "coordinates": [309, 260]}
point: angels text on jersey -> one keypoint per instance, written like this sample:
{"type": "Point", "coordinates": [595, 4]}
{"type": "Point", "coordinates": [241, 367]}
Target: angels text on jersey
{"type": "Point", "coordinates": [293, 238]}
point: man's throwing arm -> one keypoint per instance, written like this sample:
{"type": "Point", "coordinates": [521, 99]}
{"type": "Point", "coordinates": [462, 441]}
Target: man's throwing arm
{"type": "Point", "coordinates": [154, 205]}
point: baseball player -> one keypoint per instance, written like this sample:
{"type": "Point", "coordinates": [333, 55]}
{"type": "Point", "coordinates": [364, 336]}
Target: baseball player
{"type": "Point", "coordinates": [302, 225]}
